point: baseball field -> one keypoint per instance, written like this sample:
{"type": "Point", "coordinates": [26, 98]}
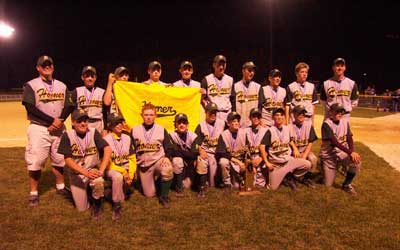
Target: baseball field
{"type": "Point", "coordinates": [323, 218]}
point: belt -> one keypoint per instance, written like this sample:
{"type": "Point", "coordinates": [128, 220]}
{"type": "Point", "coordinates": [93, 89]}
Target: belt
{"type": "Point", "coordinates": [91, 120]}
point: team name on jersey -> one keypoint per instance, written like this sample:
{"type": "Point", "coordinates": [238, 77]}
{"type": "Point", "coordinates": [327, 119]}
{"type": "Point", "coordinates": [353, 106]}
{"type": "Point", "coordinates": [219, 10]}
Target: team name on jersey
{"type": "Point", "coordinates": [163, 111]}
{"type": "Point", "coordinates": [45, 96]}
{"type": "Point", "coordinates": [279, 147]}
{"type": "Point", "coordinates": [92, 103]}
{"type": "Point", "coordinates": [119, 160]}
{"type": "Point", "coordinates": [142, 147]}
{"type": "Point", "coordinates": [241, 97]}
{"type": "Point", "coordinates": [269, 104]}
{"type": "Point", "coordinates": [213, 90]}
{"type": "Point", "coordinates": [212, 142]}
{"type": "Point", "coordinates": [77, 152]}
{"type": "Point", "coordinates": [333, 93]}
{"type": "Point", "coordinates": [300, 142]}
{"type": "Point", "coordinates": [238, 154]}
{"type": "Point", "coordinates": [298, 96]}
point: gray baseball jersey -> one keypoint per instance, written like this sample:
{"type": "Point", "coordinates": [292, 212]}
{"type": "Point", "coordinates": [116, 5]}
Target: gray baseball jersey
{"type": "Point", "coordinates": [211, 134]}
{"type": "Point", "coordinates": [302, 135]}
{"type": "Point", "coordinates": [279, 150]}
{"type": "Point", "coordinates": [235, 147]}
{"type": "Point", "coordinates": [246, 96]}
{"type": "Point", "coordinates": [302, 94]}
{"type": "Point", "coordinates": [121, 149]}
{"type": "Point", "coordinates": [340, 130]}
{"type": "Point", "coordinates": [192, 84]}
{"type": "Point", "coordinates": [219, 91]}
{"type": "Point", "coordinates": [274, 98]}
{"type": "Point", "coordinates": [184, 145]}
{"type": "Point", "coordinates": [149, 82]}
{"type": "Point", "coordinates": [91, 101]}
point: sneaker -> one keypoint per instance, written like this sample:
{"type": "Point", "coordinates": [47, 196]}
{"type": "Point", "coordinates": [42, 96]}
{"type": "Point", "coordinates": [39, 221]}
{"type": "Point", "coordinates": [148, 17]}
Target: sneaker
{"type": "Point", "coordinates": [96, 212]}
{"type": "Point", "coordinates": [309, 183]}
{"type": "Point", "coordinates": [349, 189]}
{"type": "Point", "coordinates": [179, 193]}
{"type": "Point", "coordinates": [33, 200]}
{"type": "Point", "coordinates": [116, 213]}
{"type": "Point", "coordinates": [292, 185]}
{"type": "Point", "coordinates": [202, 193]}
{"type": "Point", "coordinates": [227, 189]}
{"type": "Point", "coordinates": [164, 201]}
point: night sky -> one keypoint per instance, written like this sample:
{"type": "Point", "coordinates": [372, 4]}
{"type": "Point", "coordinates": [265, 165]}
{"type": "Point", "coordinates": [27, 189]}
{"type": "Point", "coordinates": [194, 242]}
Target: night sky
{"type": "Point", "coordinates": [133, 33]}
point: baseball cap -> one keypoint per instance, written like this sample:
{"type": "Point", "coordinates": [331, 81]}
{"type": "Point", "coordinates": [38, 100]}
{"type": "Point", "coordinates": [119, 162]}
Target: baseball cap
{"type": "Point", "coordinates": [120, 70]}
{"type": "Point", "coordinates": [210, 107]}
{"type": "Point", "coordinates": [278, 110]}
{"type": "Point", "coordinates": [337, 107]}
{"type": "Point", "coordinates": [275, 73]}
{"type": "Point", "coordinates": [154, 64]}
{"type": "Point", "coordinates": [181, 117]}
{"type": "Point", "coordinates": [186, 64]}
{"type": "Point", "coordinates": [219, 59]}
{"type": "Point", "coordinates": [339, 60]}
{"type": "Point", "coordinates": [78, 114]}
{"type": "Point", "coordinates": [89, 69]}
{"type": "Point", "coordinates": [43, 59]}
{"type": "Point", "coordinates": [249, 65]}
{"type": "Point", "coordinates": [232, 116]}
{"type": "Point", "coordinates": [255, 111]}
{"type": "Point", "coordinates": [113, 119]}
{"type": "Point", "coordinates": [299, 109]}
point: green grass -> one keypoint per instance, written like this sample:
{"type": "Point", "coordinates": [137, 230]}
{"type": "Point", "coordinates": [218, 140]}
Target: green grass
{"type": "Point", "coordinates": [309, 219]}
{"type": "Point", "coordinates": [358, 112]}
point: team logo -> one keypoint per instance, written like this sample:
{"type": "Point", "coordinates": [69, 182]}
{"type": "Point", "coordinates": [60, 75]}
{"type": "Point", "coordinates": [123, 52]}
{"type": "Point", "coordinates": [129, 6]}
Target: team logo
{"type": "Point", "coordinates": [297, 96]}
{"type": "Point", "coordinates": [332, 92]}
{"type": "Point", "coordinates": [46, 96]}
{"type": "Point", "coordinates": [163, 111]}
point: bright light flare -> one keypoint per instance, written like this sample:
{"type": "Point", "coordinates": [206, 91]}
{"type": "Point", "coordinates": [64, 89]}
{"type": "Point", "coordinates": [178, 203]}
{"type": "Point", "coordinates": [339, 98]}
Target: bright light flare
{"type": "Point", "coordinates": [6, 31]}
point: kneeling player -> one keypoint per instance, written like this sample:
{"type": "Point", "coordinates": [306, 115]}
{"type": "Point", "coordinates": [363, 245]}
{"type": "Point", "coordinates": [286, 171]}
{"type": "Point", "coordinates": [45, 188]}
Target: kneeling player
{"type": "Point", "coordinates": [337, 147]}
{"type": "Point", "coordinates": [81, 148]}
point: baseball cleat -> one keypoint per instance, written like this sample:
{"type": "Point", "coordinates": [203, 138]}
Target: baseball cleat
{"type": "Point", "coordinates": [292, 185]}
{"type": "Point", "coordinates": [164, 201]}
{"type": "Point", "coordinates": [349, 189]}
{"type": "Point", "coordinates": [117, 210]}
{"type": "Point", "coordinates": [64, 192]}
{"type": "Point", "coordinates": [179, 193]}
{"type": "Point", "coordinates": [227, 189]}
{"type": "Point", "coordinates": [33, 200]}
{"type": "Point", "coordinates": [202, 193]}
{"type": "Point", "coordinates": [309, 183]}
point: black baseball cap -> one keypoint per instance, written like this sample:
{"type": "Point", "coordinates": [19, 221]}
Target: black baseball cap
{"type": "Point", "coordinates": [249, 65]}
{"type": "Point", "coordinates": [181, 118]}
{"type": "Point", "coordinates": [211, 107]}
{"type": "Point", "coordinates": [339, 60]}
{"type": "Point", "coordinates": [89, 69]}
{"type": "Point", "coordinates": [232, 116]}
{"type": "Point", "coordinates": [219, 59]}
{"type": "Point", "coordinates": [113, 119]}
{"type": "Point", "coordinates": [43, 60]}
{"type": "Point", "coordinates": [254, 112]}
{"type": "Point", "coordinates": [120, 71]}
{"type": "Point", "coordinates": [299, 109]}
{"type": "Point", "coordinates": [275, 73]}
{"type": "Point", "coordinates": [154, 64]}
{"type": "Point", "coordinates": [337, 107]}
{"type": "Point", "coordinates": [79, 114]}
{"type": "Point", "coordinates": [186, 64]}
{"type": "Point", "coordinates": [278, 110]}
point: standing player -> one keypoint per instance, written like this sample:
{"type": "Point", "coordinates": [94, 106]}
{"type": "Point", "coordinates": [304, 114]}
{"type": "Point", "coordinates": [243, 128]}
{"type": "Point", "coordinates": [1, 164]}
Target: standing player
{"type": "Point", "coordinates": [45, 101]}
{"type": "Point", "coordinates": [208, 132]}
{"type": "Point", "coordinates": [122, 167]}
{"type": "Point", "coordinates": [82, 147]}
{"type": "Point", "coordinates": [219, 88]}
{"type": "Point", "coordinates": [301, 92]}
{"type": "Point", "coordinates": [186, 71]}
{"type": "Point", "coordinates": [183, 158]}
{"type": "Point", "coordinates": [153, 148]}
{"type": "Point", "coordinates": [120, 74]}
{"type": "Point", "coordinates": [246, 94]}
{"type": "Point", "coordinates": [276, 152]}
{"type": "Point", "coordinates": [154, 70]}
{"type": "Point", "coordinates": [339, 89]}
{"type": "Point", "coordinates": [90, 98]}
{"type": "Point", "coordinates": [337, 147]}
{"type": "Point", "coordinates": [271, 98]}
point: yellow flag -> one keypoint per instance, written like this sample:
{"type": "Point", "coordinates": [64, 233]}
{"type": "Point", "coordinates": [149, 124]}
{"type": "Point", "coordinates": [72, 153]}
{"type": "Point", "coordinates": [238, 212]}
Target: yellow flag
{"type": "Point", "coordinates": [169, 101]}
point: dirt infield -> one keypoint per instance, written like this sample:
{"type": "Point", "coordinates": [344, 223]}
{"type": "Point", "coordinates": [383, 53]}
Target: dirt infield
{"type": "Point", "coordinates": [381, 134]}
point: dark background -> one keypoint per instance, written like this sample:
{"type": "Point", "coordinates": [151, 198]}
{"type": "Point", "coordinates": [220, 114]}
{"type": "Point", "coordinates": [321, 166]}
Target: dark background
{"type": "Point", "coordinates": [133, 33]}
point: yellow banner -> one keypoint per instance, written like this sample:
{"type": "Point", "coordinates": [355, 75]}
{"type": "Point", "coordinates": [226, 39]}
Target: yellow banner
{"type": "Point", "coordinates": [169, 101]}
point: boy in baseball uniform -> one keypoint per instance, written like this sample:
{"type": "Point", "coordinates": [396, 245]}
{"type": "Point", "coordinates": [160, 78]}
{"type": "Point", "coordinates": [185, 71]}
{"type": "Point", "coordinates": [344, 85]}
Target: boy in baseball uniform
{"type": "Point", "coordinates": [186, 71]}
{"type": "Point", "coordinates": [46, 103]}
{"type": "Point", "coordinates": [82, 147]}
{"type": "Point", "coordinates": [153, 150]}
{"type": "Point", "coordinates": [122, 167]}
{"type": "Point", "coordinates": [154, 70]}
{"type": "Point", "coordinates": [276, 152]}
{"type": "Point", "coordinates": [272, 97]}
{"type": "Point", "coordinates": [120, 74]}
{"type": "Point", "coordinates": [246, 94]}
{"type": "Point", "coordinates": [338, 147]}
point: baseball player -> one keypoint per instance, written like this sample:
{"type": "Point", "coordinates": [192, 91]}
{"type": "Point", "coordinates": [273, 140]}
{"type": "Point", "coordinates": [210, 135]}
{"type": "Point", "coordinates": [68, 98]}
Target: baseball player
{"type": "Point", "coordinates": [122, 167]}
{"type": "Point", "coordinates": [339, 89]}
{"type": "Point", "coordinates": [337, 147]}
{"type": "Point", "coordinates": [154, 70]}
{"type": "Point", "coordinates": [231, 151]}
{"type": "Point", "coordinates": [246, 94]}
{"type": "Point", "coordinates": [90, 98]}
{"type": "Point", "coordinates": [303, 135]}
{"type": "Point", "coordinates": [208, 132]}
{"type": "Point", "coordinates": [82, 147]}
{"type": "Point", "coordinates": [276, 152]}
{"type": "Point", "coordinates": [219, 88]}
{"type": "Point", "coordinates": [186, 71]}
{"type": "Point", "coordinates": [153, 148]}
{"type": "Point", "coordinates": [272, 97]}
{"type": "Point", "coordinates": [183, 158]}
{"type": "Point", "coordinates": [120, 74]}
{"type": "Point", "coordinates": [45, 100]}
{"type": "Point", "coordinates": [255, 133]}
{"type": "Point", "coordinates": [301, 92]}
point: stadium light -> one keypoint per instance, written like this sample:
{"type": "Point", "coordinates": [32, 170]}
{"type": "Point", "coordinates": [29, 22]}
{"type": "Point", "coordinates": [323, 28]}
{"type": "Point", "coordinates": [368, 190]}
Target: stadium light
{"type": "Point", "coordinates": [6, 31]}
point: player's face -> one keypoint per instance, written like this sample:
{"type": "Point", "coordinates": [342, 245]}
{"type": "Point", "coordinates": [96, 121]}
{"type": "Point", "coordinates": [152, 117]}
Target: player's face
{"type": "Point", "coordinates": [211, 117]}
{"type": "Point", "coordinates": [186, 72]}
{"type": "Point", "coordinates": [248, 74]}
{"type": "Point", "coordinates": [279, 119]}
{"type": "Point", "coordinates": [274, 81]}
{"type": "Point", "coordinates": [46, 70]}
{"type": "Point", "coordinates": [123, 77]}
{"type": "Point", "coordinates": [181, 126]}
{"type": "Point", "coordinates": [234, 125]}
{"type": "Point", "coordinates": [299, 118]}
{"type": "Point", "coordinates": [89, 79]}
{"type": "Point", "coordinates": [302, 75]}
{"type": "Point", "coordinates": [154, 74]}
{"type": "Point", "coordinates": [81, 125]}
{"type": "Point", "coordinates": [339, 69]}
{"type": "Point", "coordinates": [336, 116]}
{"type": "Point", "coordinates": [148, 115]}
{"type": "Point", "coordinates": [255, 120]}
{"type": "Point", "coordinates": [118, 128]}
{"type": "Point", "coordinates": [219, 68]}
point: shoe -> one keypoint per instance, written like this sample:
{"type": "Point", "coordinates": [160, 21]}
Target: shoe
{"type": "Point", "coordinates": [349, 189]}
{"type": "Point", "coordinates": [116, 213]}
{"type": "Point", "coordinates": [309, 183]}
{"type": "Point", "coordinates": [33, 200]}
{"type": "Point", "coordinates": [179, 193]}
{"type": "Point", "coordinates": [96, 212]}
{"type": "Point", "coordinates": [64, 192]}
{"type": "Point", "coordinates": [202, 193]}
{"type": "Point", "coordinates": [227, 189]}
{"type": "Point", "coordinates": [164, 201]}
{"type": "Point", "coordinates": [292, 185]}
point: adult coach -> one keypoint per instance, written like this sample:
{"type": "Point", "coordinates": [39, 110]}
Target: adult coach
{"type": "Point", "coordinates": [45, 101]}
{"type": "Point", "coordinates": [219, 88]}
{"type": "Point", "coordinates": [339, 89]}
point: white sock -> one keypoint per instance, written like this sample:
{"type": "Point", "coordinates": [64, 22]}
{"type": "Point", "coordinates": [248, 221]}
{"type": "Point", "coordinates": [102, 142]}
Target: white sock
{"type": "Point", "coordinates": [34, 193]}
{"type": "Point", "coordinates": [60, 186]}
